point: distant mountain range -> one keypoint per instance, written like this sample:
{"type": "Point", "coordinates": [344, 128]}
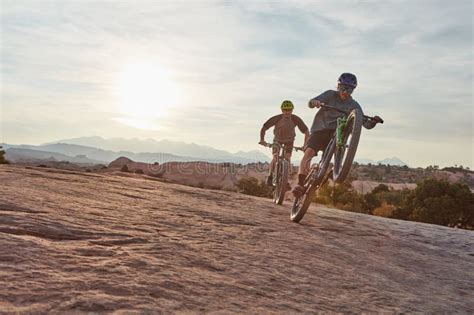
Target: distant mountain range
{"type": "Point", "coordinates": [75, 153]}
{"type": "Point", "coordinates": [388, 161]}
{"type": "Point", "coordinates": [166, 146]}
{"type": "Point", "coordinates": [31, 155]}
{"type": "Point", "coordinates": [99, 150]}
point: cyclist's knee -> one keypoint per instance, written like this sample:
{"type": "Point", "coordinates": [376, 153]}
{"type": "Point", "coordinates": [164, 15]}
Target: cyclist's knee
{"type": "Point", "coordinates": [309, 153]}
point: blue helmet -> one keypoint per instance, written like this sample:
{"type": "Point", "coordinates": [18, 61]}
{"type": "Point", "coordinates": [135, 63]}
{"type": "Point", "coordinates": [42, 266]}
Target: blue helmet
{"type": "Point", "coordinates": [348, 79]}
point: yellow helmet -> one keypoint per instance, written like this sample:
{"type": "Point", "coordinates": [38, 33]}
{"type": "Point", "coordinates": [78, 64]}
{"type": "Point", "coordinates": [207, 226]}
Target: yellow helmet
{"type": "Point", "coordinates": [287, 105]}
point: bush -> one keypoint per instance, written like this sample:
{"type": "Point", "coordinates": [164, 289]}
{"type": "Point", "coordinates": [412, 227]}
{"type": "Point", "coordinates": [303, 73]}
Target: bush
{"type": "Point", "coordinates": [433, 201]}
{"type": "Point", "coordinates": [341, 196]}
{"type": "Point", "coordinates": [157, 173]}
{"type": "Point", "coordinates": [251, 186]}
{"type": "Point", "coordinates": [385, 210]}
{"type": "Point", "coordinates": [125, 169]}
{"type": "Point", "coordinates": [139, 171]}
{"type": "Point", "coordinates": [439, 202]}
{"type": "Point", "coordinates": [2, 157]}
{"type": "Point", "coordinates": [380, 188]}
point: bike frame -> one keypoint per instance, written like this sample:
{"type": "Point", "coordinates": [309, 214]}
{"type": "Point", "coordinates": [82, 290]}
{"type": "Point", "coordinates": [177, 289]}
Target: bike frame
{"type": "Point", "coordinates": [281, 156]}
{"type": "Point", "coordinates": [341, 125]}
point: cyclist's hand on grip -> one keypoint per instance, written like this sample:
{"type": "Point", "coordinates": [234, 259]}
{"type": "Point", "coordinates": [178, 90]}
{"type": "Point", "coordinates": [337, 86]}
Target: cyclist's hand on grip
{"type": "Point", "coordinates": [262, 142]}
{"type": "Point", "coordinates": [378, 119]}
{"type": "Point", "coordinates": [315, 103]}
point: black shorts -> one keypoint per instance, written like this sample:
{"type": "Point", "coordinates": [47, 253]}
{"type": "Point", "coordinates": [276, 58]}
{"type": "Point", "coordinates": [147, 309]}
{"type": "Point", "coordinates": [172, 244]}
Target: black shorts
{"type": "Point", "coordinates": [319, 140]}
{"type": "Point", "coordinates": [276, 148]}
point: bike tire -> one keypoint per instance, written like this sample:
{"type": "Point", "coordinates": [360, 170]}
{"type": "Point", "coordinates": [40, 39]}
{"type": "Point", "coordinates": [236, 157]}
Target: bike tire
{"type": "Point", "coordinates": [344, 156]}
{"type": "Point", "coordinates": [275, 181]}
{"type": "Point", "coordinates": [280, 189]}
{"type": "Point", "coordinates": [301, 204]}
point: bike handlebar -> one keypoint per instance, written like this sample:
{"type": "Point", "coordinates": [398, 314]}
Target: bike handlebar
{"type": "Point", "coordinates": [380, 120]}
{"type": "Point", "coordinates": [271, 145]}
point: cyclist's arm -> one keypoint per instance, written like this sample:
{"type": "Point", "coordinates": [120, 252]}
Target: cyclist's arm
{"type": "Point", "coordinates": [262, 135]}
{"type": "Point", "coordinates": [306, 137]}
{"type": "Point", "coordinates": [323, 97]}
{"type": "Point", "coordinates": [366, 122]}
{"type": "Point", "coordinates": [299, 123]}
{"type": "Point", "coordinates": [267, 125]}
{"type": "Point", "coordinates": [302, 127]}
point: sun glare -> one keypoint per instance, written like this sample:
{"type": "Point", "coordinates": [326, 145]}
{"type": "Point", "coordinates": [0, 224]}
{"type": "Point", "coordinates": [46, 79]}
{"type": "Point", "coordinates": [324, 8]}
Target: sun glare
{"type": "Point", "coordinates": [147, 92]}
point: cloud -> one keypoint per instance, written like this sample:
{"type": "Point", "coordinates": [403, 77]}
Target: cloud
{"type": "Point", "coordinates": [237, 61]}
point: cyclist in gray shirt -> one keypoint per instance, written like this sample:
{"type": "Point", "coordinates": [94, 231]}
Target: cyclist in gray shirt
{"type": "Point", "coordinates": [325, 122]}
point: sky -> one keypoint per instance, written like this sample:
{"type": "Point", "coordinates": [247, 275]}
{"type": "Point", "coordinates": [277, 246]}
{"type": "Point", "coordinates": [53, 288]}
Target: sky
{"type": "Point", "coordinates": [212, 72]}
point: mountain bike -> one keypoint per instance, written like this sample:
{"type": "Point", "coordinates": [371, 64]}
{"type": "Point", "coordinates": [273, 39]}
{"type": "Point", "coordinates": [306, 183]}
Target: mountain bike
{"type": "Point", "coordinates": [280, 172]}
{"type": "Point", "coordinates": [342, 147]}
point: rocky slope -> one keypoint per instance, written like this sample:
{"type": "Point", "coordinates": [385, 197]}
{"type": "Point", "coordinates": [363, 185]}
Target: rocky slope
{"type": "Point", "coordinates": [76, 242]}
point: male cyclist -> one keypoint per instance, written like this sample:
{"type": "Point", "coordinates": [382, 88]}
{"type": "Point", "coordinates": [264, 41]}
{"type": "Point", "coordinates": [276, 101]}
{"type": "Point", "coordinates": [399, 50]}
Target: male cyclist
{"type": "Point", "coordinates": [325, 122]}
{"type": "Point", "coordinates": [284, 133]}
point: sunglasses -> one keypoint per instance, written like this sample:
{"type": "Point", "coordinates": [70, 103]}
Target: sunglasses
{"type": "Point", "coordinates": [346, 88]}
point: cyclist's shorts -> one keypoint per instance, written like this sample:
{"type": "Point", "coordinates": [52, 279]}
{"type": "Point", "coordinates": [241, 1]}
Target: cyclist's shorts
{"type": "Point", "coordinates": [319, 140]}
{"type": "Point", "coordinates": [289, 147]}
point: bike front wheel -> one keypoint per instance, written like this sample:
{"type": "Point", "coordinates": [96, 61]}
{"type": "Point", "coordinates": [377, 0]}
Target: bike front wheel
{"type": "Point", "coordinates": [344, 154]}
{"type": "Point", "coordinates": [281, 183]}
{"type": "Point", "coordinates": [314, 180]}
{"type": "Point", "coordinates": [301, 205]}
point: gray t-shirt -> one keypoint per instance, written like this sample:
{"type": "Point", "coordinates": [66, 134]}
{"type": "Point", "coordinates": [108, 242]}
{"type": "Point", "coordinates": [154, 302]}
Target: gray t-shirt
{"type": "Point", "coordinates": [326, 119]}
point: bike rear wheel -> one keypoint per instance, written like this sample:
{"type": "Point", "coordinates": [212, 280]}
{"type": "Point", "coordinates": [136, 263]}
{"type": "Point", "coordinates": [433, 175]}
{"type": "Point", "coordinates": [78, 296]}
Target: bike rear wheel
{"type": "Point", "coordinates": [344, 155]}
{"type": "Point", "coordinates": [281, 182]}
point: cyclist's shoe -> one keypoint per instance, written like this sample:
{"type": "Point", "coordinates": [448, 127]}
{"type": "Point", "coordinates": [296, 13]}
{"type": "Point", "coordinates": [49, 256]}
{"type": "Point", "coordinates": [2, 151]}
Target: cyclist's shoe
{"type": "Point", "coordinates": [298, 191]}
{"type": "Point", "coordinates": [269, 181]}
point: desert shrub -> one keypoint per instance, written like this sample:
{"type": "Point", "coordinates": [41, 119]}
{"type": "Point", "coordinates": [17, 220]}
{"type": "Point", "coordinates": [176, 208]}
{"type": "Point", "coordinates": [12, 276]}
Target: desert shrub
{"type": "Point", "coordinates": [139, 171]}
{"type": "Point", "coordinates": [125, 169]}
{"type": "Point", "coordinates": [385, 210]}
{"type": "Point", "coordinates": [324, 195]}
{"type": "Point", "coordinates": [341, 196]}
{"type": "Point", "coordinates": [439, 202]}
{"type": "Point", "coordinates": [393, 197]}
{"type": "Point", "coordinates": [158, 173]}
{"type": "Point", "coordinates": [383, 195]}
{"type": "Point", "coordinates": [252, 186]}
{"type": "Point", "coordinates": [380, 188]}
{"type": "Point", "coordinates": [2, 157]}
{"type": "Point", "coordinates": [433, 201]}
